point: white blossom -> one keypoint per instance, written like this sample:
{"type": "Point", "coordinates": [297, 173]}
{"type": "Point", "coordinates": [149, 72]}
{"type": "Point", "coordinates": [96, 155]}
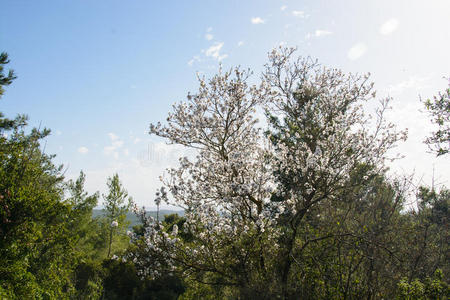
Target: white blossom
{"type": "Point", "coordinates": [242, 181]}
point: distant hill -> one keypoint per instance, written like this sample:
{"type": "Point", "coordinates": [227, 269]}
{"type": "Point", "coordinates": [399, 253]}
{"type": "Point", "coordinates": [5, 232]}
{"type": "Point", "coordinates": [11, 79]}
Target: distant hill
{"type": "Point", "coordinates": [134, 219]}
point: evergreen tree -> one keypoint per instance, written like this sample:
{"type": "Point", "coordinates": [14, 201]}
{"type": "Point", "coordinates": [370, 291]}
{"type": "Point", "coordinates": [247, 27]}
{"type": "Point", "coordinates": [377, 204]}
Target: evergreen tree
{"type": "Point", "coordinates": [116, 205]}
{"type": "Point", "coordinates": [36, 255]}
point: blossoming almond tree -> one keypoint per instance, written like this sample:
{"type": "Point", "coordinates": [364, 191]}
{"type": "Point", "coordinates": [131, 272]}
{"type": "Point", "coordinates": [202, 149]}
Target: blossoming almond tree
{"type": "Point", "coordinates": [321, 136]}
{"type": "Point", "coordinates": [226, 191]}
{"type": "Point", "coordinates": [247, 193]}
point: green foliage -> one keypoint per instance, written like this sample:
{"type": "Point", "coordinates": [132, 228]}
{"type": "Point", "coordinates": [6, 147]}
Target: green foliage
{"type": "Point", "coordinates": [430, 288]}
{"type": "Point", "coordinates": [35, 244]}
{"type": "Point", "coordinates": [5, 79]}
{"type": "Point", "coordinates": [84, 228]}
{"type": "Point", "coordinates": [116, 205]}
{"type": "Point", "coordinates": [174, 219]}
{"type": "Point", "coordinates": [439, 109]}
{"type": "Point", "coordinates": [426, 244]}
{"type": "Point", "coordinates": [196, 290]}
{"type": "Point", "coordinates": [122, 282]}
{"type": "Point", "coordinates": [88, 280]}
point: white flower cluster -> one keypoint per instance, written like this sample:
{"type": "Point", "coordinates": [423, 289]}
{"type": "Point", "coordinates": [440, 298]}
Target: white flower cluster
{"type": "Point", "coordinates": [325, 134]}
{"type": "Point", "coordinates": [243, 181]}
{"type": "Point", "coordinates": [156, 247]}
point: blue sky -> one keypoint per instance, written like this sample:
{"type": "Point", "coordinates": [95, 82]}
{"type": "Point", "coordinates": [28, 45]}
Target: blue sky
{"type": "Point", "coordinates": [98, 72]}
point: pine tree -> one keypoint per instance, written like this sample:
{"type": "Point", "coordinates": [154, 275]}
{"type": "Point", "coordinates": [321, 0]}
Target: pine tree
{"type": "Point", "coordinates": [116, 205]}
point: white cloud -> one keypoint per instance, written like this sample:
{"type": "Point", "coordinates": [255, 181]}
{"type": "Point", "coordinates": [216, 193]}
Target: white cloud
{"type": "Point", "coordinates": [257, 20]}
{"type": "Point", "coordinates": [112, 149]}
{"type": "Point", "coordinates": [117, 143]}
{"type": "Point", "coordinates": [413, 82]}
{"type": "Point", "coordinates": [109, 149]}
{"type": "Point", "coordinates": [113, 136]}
{"type": "Point", "coordinates": [357, 51]}
{"type": "Point", "coordinates": [209, 29]}
{"type": "Point", "coordinates": [319, 32]}
{"type": "Point", "coordinates": [214, 51]}
{"type": "Point", "coordinates": [298, 13]}
{"type": "Point", "coordinates": [283, 8]}
{"type": "Point", "coordinates": [209, 36]}
{"type": "Point", "coordinates": [83, 150]}
{"type": "Point", "coordinates": [58, 132]}
{"type": "Point", "coordinates": [240, 43]}
{"type": "Point", "coordinates": [136, 140]}
{"type": "Point", "coordinates": [389, 26]}
{"type": "Point", "coordinates": [193, 60]}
